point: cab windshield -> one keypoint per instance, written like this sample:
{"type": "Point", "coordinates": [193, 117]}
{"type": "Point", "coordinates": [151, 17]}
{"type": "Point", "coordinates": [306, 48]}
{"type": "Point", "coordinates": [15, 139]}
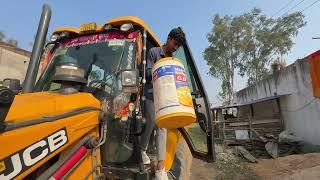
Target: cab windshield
{"type": "Point", "coordinates": [101, 61]}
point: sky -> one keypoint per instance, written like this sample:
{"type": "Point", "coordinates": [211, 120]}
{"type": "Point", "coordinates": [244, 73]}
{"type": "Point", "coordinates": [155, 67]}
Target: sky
{"type": "Point", "coordinates": [19, 20]}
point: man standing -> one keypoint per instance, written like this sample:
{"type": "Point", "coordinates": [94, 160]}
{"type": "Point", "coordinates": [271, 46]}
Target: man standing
{"type": "Point", "coordinates": [175, 39]}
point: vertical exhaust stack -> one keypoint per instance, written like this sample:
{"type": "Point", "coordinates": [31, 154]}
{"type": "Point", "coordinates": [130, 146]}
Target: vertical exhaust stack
{"type": "Point", "coordinates": [37, 49]}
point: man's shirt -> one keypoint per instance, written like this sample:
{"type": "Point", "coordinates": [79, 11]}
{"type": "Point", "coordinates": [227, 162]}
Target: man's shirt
{"type": "Point", "coordinates": [154, 55]}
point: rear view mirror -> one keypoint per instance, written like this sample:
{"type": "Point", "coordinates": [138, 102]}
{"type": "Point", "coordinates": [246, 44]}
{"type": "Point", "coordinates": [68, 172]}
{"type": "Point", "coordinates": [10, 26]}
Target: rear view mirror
{"type": "Point", "coordinates": [12, 84]}
{"type": "Point", "coordinates": [6, 99]}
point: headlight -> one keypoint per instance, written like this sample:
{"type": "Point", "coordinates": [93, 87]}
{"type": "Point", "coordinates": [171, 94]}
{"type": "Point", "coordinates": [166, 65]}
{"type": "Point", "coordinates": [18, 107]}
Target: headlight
{"type": "Point", "coordinates": [126, 27]}
{"type": "Point", "coordinates": [54, 37]}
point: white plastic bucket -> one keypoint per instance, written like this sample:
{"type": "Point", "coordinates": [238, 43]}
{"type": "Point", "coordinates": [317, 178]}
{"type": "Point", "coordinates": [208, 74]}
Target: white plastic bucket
{"type": "Point", "coordinates": [172, 98]}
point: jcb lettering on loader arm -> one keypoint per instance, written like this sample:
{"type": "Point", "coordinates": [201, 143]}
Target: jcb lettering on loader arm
{"type": "Point", "coordinates": [15, 164]}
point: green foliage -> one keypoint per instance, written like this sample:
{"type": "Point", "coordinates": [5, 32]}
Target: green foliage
{"type": "Point", "coordinates": [2, 36]}
{"type": "Point", "coordinates": [13, 42]}
{"type": "Point", "coordinates": [223, 53]}
{"type": "Point", "coordinates": [265, 40]}
{"type": "Point", "coordinates": [248, 43]}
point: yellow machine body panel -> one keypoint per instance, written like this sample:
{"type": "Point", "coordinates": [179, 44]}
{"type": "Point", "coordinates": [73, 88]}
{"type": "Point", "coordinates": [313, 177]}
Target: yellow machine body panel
{"type": "Point", "coordinates": [17, 143]}
{"type": "Point", "coordinates": [173, 137]}
{"type": "Point", "coordinates": [36, 105]}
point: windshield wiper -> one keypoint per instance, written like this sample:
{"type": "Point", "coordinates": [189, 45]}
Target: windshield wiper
{"type": "Point", "coordinates": [94, 59]}
{"type": "Point", "coordinates": [120, 60]}
{"type": "Point", "coordinates": [116, 72]}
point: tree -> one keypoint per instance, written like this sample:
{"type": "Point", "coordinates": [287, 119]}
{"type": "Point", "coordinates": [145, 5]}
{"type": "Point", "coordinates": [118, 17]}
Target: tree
{"type": "Point", "coordinates": [223, 53]}
{"type": "Point", "coordinates": [248, 43]}
{"type": "Point", "coordinates": [13, 42]}
{"type": "Point", "coordinates": [2, 36]}
{"type": "Point", "coordinates": [266, 40]}
{"type": "Point", "coordinates": [285, 28]}
{"type": "Point", "coordinates": [10, 41]}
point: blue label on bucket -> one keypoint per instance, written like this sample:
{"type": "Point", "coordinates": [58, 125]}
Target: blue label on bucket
{"type": "Point", "coordinates": [172, 70]}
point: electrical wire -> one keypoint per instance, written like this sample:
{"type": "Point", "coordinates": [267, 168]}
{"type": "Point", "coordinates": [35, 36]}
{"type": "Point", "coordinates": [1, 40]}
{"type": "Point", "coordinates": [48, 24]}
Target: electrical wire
{"type": "Point", "coordinates": [285, 6]}
{"type": "Point", "coordinates": [307, 104]}
{"type": "Point", "coordinates": [301, 11]}
{"type": "Point", "coordinates": [310, 5]}
{"type": "Point", "coordinates": [293, 7]}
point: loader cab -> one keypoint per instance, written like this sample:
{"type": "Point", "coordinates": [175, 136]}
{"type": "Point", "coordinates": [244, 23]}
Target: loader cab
{"type": "Point", "coordinates": [112, 57]}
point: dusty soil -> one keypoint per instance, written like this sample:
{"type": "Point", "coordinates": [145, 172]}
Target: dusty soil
{"type": "Point", "coordinates": [304, 166]}
{"type": "Point", "coordinates": [227, 166]}
{"type": "Point", "coordinates": [202, 170]}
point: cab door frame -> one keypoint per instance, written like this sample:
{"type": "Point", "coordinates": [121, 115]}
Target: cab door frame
{"type": "Point", "coordinates": [201, 96]}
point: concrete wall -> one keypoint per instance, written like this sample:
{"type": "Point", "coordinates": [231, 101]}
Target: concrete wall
{"type": "Point", "coordinates": [301, 110]}
{"type": "Point", "coordinates": [12, 65]}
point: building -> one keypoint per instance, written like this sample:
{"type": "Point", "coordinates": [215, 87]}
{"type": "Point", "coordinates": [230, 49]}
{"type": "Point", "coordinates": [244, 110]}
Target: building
{"type": "Point", "coordinates": [13, 62]}
{"type": "Point", "coordinates": [248, 121]}
{"type": "Point", "coordinates": [295, 91]}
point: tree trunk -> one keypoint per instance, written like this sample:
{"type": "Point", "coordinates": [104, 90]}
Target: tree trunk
{"type": "Point", "coordinates": [231, 88]}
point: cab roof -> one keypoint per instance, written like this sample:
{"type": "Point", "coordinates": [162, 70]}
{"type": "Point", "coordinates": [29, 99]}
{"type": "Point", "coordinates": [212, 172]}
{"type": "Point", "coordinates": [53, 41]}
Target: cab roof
{"type": "Point", "coordinates": [115, 22]}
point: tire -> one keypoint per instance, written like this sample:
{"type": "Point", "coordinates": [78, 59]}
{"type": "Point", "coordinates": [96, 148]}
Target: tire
{"type": "Point", "coordinates": [182, 163]}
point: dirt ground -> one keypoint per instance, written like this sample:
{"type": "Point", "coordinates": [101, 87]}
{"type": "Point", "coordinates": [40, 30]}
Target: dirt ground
{"type": "Point", "coordinates": [229, 166]}
{"type": "Point", "coordinates": [295, 167]}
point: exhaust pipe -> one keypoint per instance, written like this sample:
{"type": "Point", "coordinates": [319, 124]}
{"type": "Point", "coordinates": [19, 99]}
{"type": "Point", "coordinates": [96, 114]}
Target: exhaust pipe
{"type": "Point", "coordinates": [37, 49]}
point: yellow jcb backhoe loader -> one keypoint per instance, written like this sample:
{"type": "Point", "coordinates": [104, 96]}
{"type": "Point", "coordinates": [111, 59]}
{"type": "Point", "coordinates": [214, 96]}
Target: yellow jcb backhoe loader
{"type": "Point", "coordinates": [83, 117]}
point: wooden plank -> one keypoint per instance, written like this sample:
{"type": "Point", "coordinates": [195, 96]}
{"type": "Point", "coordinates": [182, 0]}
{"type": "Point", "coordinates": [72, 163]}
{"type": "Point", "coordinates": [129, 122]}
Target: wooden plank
{"type": "Point", "coordinates": [218, 122]}
{"type": "Point", "coordinates": [223, 130]}
{"type": "Point", "coordinates": [260, 137]}
{"type": "Point", "coordinates": [250, 127]}
{"type": "Point", "coordinates": [234, 119]}
{"type": "Point", "coordinates": [280, 113]}
{"type": "Point", "coordinates": [251, 110]}
{"type": "Point", "coordinates": [241, 150]}
{"type": "Point", "coordinates": [265, 121]}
